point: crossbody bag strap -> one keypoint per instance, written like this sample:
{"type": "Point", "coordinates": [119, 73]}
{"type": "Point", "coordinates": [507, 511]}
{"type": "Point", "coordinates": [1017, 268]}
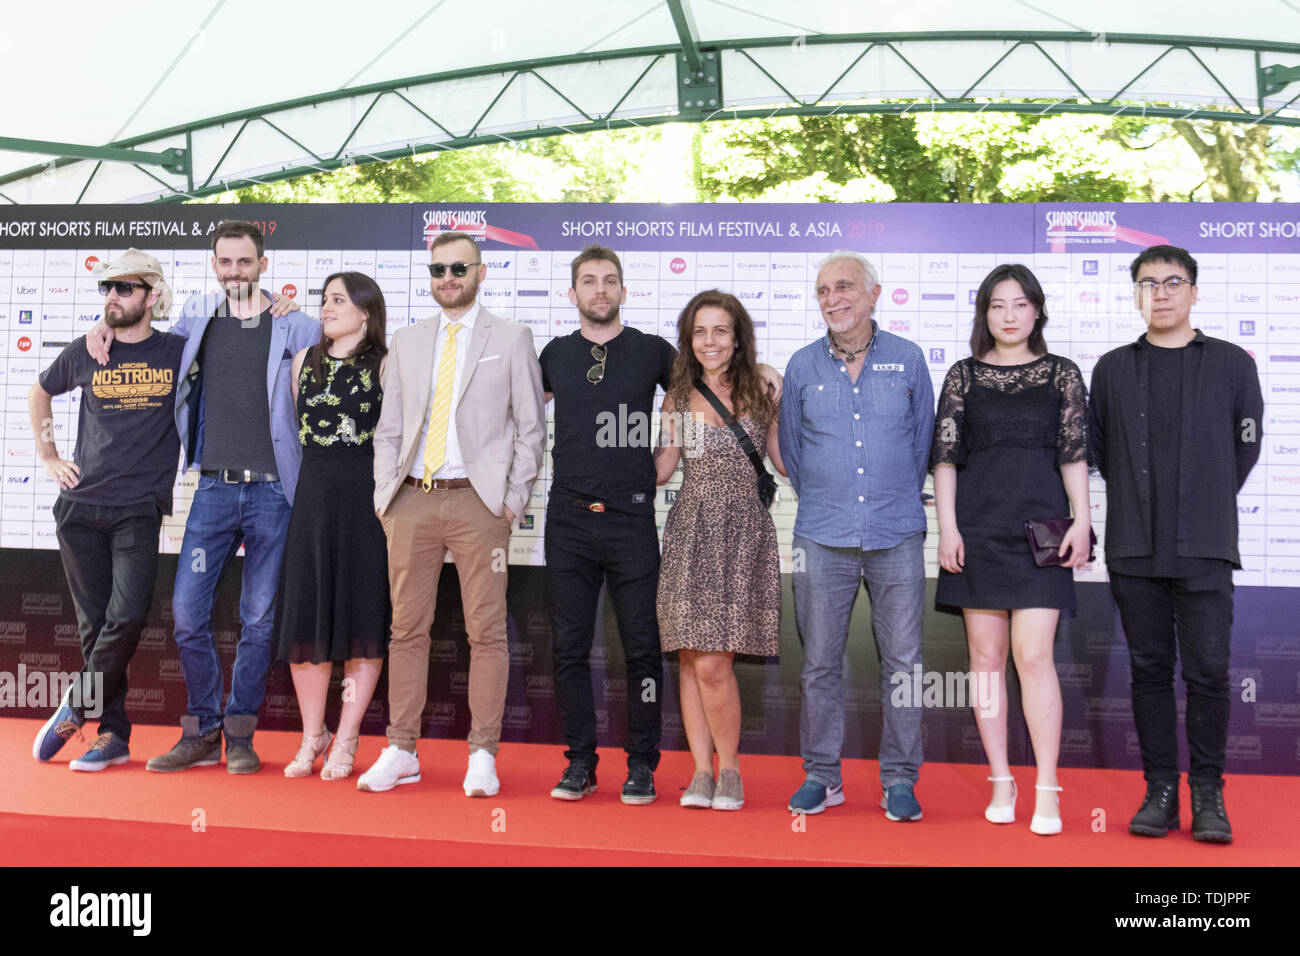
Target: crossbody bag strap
{"type": "Point", "coordinates": [742, 436]}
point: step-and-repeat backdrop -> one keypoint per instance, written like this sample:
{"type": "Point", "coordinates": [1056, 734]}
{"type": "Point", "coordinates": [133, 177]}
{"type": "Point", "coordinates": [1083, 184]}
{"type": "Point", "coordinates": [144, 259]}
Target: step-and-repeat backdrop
{"type": "Point", "coordinates": [931, 259]}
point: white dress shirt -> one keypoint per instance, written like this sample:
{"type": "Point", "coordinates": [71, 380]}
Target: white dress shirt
{"type": "Point", "coordinates": [452, 466]}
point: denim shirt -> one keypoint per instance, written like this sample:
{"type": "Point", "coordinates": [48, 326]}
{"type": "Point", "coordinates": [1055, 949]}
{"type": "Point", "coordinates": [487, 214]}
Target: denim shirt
{"type": "Point", "coordinates": [856, 453]}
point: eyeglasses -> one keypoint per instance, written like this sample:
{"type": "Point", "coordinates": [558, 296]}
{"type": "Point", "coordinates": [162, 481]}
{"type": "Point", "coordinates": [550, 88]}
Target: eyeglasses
{"type": "Point", "coordinates": [1172, 285]}
{"type": "Point", "coordinates": [458, 269]}
{"type": "Point", "coordinates": [121, 287]}
{"type": "Point", "coordinates": [597, 372]}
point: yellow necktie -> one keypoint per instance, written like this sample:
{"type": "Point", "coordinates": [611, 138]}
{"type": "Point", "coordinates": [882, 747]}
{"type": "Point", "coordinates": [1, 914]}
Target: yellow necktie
{"type": "Point", "coordinates": [435, 444]}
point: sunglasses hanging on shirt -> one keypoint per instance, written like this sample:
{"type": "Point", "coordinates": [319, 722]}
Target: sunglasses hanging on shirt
{"type": "Point", "coordinates": [596, 373]}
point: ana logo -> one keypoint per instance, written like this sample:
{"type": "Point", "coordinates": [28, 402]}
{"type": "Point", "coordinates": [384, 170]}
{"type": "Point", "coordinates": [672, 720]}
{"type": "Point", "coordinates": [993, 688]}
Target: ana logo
{"type": "Point", "coordinates": [91, 262]}
{"type": "Point", "coordinates": [24, 343]}
{"type": "Point", "coordinates": [678, 265]}
{"type": "Point", "coordinates": [900, 296]}
{"type": "Point", "coordinates": [289, 289]}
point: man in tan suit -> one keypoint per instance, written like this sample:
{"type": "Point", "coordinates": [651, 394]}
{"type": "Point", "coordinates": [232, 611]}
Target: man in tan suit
{"type": "Point", "coordinates": [458, 445]}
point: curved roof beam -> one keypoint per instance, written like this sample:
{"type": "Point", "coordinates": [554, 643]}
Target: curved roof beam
{"type": "Point", "coordinates": [1215, 78]}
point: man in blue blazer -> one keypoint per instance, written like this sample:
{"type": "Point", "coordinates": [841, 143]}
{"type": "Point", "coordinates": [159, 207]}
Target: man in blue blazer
{"type": "Point", "coordinates": [236, 419]}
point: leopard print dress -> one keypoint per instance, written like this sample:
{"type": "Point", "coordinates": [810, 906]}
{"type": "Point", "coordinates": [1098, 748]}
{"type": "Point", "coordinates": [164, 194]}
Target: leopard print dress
{"type": "Point", "coordinates": [720, 579]}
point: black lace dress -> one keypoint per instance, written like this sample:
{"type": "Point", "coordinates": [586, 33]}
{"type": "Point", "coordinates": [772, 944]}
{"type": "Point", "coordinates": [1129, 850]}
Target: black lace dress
{"type": "Point", "coordinates": [334, 602]}
{"type": "Point", "coordinates": [1008, 430]}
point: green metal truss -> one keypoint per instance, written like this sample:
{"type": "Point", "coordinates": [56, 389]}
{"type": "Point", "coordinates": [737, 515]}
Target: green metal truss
{"type": "Point", "coordinates": [699, 80]}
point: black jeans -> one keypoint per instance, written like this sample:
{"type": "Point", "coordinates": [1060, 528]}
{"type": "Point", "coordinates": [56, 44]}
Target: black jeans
{"type": "Point", "coordinates": [583, 549]}
{"type": "Point", "coordinates": [110, 557]}
{"type": "Point", "coordinates": [1163, 621]}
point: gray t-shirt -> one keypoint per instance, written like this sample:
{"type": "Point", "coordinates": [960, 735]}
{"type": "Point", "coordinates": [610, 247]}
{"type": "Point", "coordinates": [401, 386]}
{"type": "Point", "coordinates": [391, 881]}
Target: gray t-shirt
{"type": "Point", "coordinates": [127, 446]}
{"type": "Point", "coordinates": [236, 410]}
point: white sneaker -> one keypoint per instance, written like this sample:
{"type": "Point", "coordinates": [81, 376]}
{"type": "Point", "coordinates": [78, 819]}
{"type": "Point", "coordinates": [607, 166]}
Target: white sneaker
{"type": "Point", "coordinates": [481, 778]}
{"type": "Point", "coordinates": [395, 766]}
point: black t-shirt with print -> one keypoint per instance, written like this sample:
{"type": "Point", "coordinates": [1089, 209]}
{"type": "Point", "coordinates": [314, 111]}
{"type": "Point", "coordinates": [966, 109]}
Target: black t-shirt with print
{"type": "Point", "coordinates": [127, 447]}
{"type": "Point", "coordinates": [603, 433]}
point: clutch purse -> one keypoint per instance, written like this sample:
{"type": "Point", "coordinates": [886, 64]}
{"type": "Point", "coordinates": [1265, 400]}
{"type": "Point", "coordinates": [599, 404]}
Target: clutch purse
{"type": "Point", "coordinates": [1045, 536]}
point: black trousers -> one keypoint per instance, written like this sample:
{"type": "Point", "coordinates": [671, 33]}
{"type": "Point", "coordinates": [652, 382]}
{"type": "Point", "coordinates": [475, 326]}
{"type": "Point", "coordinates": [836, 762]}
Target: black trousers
{"type": "Point", "coordinates": [1164, 621]}
{"type": "Point", "coordinates": [584, 549]}
{"type": "Point", "coordinates": [110, 557]}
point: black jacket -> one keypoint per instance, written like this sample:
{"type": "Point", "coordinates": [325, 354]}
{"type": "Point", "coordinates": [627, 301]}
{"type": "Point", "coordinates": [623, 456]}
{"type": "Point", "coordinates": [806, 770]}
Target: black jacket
{"type": "Point", "coordinates": [1220, 442]}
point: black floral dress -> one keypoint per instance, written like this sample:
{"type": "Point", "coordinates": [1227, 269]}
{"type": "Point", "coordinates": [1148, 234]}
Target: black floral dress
{"type": "Point", "coordinates": [333, 603]}
{"type": "Point", "coordinates": [1008, 430]}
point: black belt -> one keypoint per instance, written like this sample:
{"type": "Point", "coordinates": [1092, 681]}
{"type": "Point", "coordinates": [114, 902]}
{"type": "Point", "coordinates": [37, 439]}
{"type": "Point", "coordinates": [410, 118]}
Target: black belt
{"type": "Point", "coordinates": [235, 476]}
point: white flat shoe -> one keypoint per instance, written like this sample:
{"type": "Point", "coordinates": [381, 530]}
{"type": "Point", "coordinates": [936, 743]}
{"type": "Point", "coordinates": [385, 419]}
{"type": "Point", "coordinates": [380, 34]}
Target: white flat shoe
{"type": "Point", "coordinates": [1047, 826]}
{"type": "Point", "coordinates": [1002, 814]}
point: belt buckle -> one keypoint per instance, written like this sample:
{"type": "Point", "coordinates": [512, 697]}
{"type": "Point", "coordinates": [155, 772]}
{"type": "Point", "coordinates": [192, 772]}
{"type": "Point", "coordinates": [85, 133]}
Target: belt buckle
{"type": "Point", "coordinates": [597, 507]}
{"type": "Point", "coordinates": [225, 477]}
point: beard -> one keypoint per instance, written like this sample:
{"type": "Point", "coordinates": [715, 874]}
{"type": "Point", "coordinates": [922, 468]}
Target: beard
{"type": "Point", "coordinates": [465, 297]}
{"type": "Point", "coordinates": [238, 289]}
{"type": "Point", "coordinates": [595, 318]}
{"type": "Point", "coordinates": [123, 316]}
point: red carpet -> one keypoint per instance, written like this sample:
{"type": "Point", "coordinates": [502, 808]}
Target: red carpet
{"type": "Point", "coordinates": [126, 816]}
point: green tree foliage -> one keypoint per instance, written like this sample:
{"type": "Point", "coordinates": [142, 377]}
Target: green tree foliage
{"type": "Point", "coordinates": [1235, 162]}
{"type": "Point", "coordinates": [627, 165]}
{"type": "Point", "coordinates": [919, 158]}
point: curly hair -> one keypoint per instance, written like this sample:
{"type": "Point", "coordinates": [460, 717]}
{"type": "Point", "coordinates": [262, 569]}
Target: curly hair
{"type": "Point", "coordinates": [750, 394]}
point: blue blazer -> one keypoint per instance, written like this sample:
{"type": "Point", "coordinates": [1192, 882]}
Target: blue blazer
{"type": "Point", "coordinates": [289, 335]}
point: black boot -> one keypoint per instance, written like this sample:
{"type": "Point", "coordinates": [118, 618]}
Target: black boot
{"type": "Point", "coordinates": [240, 757]}
{"type": "Point", "coordinates": [1209, 818]}
{"type": "Point", "coordinates": [1159, 811]}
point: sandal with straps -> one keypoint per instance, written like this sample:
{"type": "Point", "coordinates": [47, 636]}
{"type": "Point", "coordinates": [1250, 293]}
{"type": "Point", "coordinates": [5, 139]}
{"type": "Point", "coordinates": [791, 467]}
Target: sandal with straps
{"type": "Point", "coordinates": [994, 813]}
{"type": "Point", "coordinates": [339, 764]}
{"type": "Point", "coordinates": [1047, 826]}
{"type": "Point", "coordinates": [303, 761]}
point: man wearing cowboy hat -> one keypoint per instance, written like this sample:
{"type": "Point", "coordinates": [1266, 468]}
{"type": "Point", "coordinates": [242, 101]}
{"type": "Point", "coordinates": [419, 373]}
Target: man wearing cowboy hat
{"type": "Point", "coordinates": [112, 495]}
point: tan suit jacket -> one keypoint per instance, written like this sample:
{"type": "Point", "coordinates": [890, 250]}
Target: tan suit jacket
{"type": "Point", "coordinates": [500, 411]}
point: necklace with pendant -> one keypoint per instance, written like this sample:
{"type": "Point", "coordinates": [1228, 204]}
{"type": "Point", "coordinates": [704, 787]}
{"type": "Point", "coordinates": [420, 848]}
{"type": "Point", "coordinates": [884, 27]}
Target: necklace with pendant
{"type": "Point", "coordinates": [849, 356]}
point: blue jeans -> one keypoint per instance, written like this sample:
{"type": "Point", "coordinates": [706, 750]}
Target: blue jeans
{"type": "Point", "coordinates": [222, 516]}
{"type": "Point", "coordinates": [824, 594]}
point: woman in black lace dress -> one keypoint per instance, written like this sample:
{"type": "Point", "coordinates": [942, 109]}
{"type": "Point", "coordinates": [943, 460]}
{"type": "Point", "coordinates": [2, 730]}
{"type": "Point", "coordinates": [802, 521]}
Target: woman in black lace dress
{"type": "Point", "coordinates": [334, 577]}
{"type": "Point", "coordinates": [1009, 446]}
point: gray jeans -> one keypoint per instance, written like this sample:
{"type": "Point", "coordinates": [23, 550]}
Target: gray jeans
{"type": "Point", "coordinates": [824, 593]}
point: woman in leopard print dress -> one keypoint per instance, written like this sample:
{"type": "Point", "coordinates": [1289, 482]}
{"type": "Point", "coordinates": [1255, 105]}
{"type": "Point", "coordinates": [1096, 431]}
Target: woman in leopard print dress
{"type": "Point", "coordinates": [720, 578]}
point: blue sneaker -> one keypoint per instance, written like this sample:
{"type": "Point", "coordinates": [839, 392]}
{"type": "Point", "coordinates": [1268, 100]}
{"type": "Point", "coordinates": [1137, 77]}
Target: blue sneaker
{"type": "Point", "coordinates": [899, 803]}
{"type": "Point", "coordinates": [814, 797]}
{"type": "Point", "coordinates": [108, 750]}
{"type": "Point", "coordinates": [56, 731]}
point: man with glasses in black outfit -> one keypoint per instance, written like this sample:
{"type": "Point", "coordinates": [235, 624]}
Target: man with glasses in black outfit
{"type": "Point", "coordinates": [600, 519]}
{"type": "Point", "coordinates": [1174, 428]}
